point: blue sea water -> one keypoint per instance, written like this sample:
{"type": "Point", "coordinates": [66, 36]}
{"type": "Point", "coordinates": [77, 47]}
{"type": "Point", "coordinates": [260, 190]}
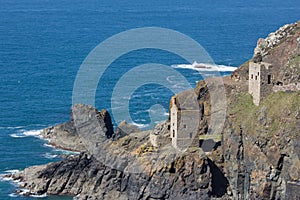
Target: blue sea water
{"type": "Point", "coordinates": [43, 43]}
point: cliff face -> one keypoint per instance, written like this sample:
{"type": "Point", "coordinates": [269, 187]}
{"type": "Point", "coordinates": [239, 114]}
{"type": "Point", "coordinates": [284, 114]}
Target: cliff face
{"type": "Point", "coordinates": [261, 144]}
{"type": "Point", "coordinates": [258, 157]}
{"type": "Point", "coordinates": [86, 177]}
{"type": "Point", "coordinates": [261, 147]}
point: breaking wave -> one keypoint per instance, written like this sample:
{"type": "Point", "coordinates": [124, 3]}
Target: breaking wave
{"type": "Point", "coordinates": [50, 156]}
{"type": "Point", "coordinates": [206, 67]}
{"type": "Point", "coordinates": [12, 171]}
{"type": "Point", "coordinates": [23, 133]}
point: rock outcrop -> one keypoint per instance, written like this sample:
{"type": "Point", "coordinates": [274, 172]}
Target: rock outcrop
{"type": "Point", "coordinates": [282, 49]}
{"type": "Point", "coordinates": [84, 119]}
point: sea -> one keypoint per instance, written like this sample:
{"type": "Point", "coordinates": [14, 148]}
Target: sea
{"type": "Point", "coordinates": [44, 42]}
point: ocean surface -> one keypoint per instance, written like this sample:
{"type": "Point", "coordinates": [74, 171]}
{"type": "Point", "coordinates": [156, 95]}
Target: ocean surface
{"type": "Point", "coordinates": [43, 43]}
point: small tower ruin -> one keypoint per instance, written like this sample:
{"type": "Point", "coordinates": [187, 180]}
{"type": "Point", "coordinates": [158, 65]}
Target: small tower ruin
{"type": "Point", "coordinates": [260, 80]}
{"type": "Point", "coordinates": [184, 121]}
{"type": "Point", "coordinates": [173, 121]}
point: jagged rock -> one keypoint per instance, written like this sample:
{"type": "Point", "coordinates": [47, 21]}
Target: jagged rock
{"type": "Point", "coordinates": [280, 48]}
{"type": "Point", "coordinates": [84, 119]}
{"type": "Point", "coordinates": [160, 135]}
{"type": "Point", "coordinates": [124, 129]}
{"type": "Point", "coordinates": [274, 39]}
{"type": "Point", "coordinates": [257, 57]}
{"type": "Point", "coordinates": [87, 178]}
{"type": "Point", "coordinates": [64, 136]}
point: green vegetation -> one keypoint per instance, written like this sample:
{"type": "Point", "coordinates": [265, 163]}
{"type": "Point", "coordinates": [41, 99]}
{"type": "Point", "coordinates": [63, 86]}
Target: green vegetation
{"type": "Point", "coordinates": [243, 111]}
{"type": "Point", "coordinates": [276, 113]}
{"type": "Point", "coordinates": [281, 102]}
{"type": "Point", "coordinates": [243, 102]}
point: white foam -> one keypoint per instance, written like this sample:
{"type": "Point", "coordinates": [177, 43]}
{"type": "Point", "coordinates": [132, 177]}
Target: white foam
{"type": "Point", "coordinates": [5, 178]}
{"type": "Point", "coordinates": [18, 181]}
{"type": "Point", "coordinates": [12, 171]}
{"type": "Point", "coordinates": [67, 152]}
{"type": "Point", "coordinates": [140, 125]}
{"type": "Point", "coordinates": [49, 145]}
{"type": "Point", "coordinates": [205, 67]}
{"type": "Point", "coordinates": [17, 135]}
{"type": "Point", "coordinates": [49, 155]}
{"type": "Point", "coordinates": [13, 195]}
{"type": "Point", "coordinates": [39, 196]}
{"type": "Point", "coordinates": [11, 127]}
{"type": "Point", "coordinates": [62, 151]}
{"type": "Point", "coordinates": [7, 172]}
{"type": "Point", "coordinates": [23, 133]}
{"type": "Point", "coordinates": [24, 192]}
{"type": "Point", "coordinates": [33, 132]}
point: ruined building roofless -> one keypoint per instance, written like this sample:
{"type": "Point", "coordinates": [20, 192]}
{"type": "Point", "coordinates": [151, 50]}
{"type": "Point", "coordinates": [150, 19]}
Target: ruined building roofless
{"type": "Point", "coordinates": [260, 80]}
{"type": "Point", "coordinates": [184, 120]}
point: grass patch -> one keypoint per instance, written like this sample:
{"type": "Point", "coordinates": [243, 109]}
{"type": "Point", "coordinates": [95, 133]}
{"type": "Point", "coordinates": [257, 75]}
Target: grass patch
{"type": "Point", "coordinates": [243, 113]}
{"type": "Point", "coordinates": [279, 102]}
{"type": "Point", "coordinates": [274, 113]}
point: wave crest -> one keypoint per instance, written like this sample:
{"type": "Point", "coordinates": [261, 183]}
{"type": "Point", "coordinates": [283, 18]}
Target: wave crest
{"type": "Point", "coordinates": [205, 67]}
{"type": "Point", "coordinates": [24, 133]}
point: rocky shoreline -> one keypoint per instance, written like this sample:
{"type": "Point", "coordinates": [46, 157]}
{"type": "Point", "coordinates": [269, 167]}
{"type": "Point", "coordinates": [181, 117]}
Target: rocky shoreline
{"type": "Point", "coordinates": [258, 157]}
{"type": "Point", "coordinates": [135, 175]}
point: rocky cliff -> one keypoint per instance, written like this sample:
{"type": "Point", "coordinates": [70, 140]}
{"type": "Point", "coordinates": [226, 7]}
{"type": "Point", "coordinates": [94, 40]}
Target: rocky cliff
{"type": "Point", "coordinates": [261, 143]}
{"type": "Point", "coordinates": [125, 168]}
{"type": "Point", "coordinates": [281, 49]}
{"type": "Point", "coordinates": [258, 157]}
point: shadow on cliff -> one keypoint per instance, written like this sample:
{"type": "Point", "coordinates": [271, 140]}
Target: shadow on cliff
{"type": "Point", "coordinates": [219, 181]}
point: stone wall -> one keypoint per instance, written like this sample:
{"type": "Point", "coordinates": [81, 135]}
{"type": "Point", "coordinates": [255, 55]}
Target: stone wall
{"type": "Point", "coordinates": [266, 80]}
{"type": "Point", "coordinates": [286, 88]}
{"type": "Point", "coordinates": [188, 122]}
